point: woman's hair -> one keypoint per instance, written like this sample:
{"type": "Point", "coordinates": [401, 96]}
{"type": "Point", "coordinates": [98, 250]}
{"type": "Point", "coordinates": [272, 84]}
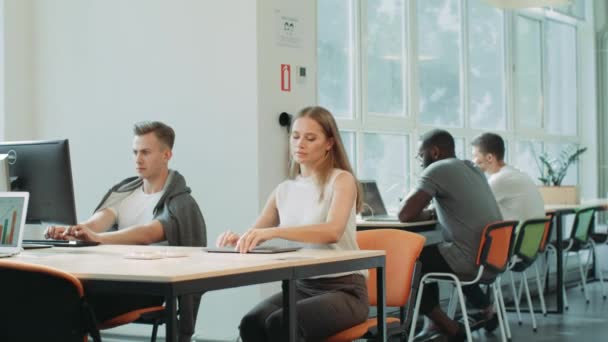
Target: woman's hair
{"type": "Point", "coordinates": [336, 156]}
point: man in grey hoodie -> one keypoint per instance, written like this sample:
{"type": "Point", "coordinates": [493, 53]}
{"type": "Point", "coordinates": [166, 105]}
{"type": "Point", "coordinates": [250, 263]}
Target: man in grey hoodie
{"type": "Point", "coordinates": [153, 207]}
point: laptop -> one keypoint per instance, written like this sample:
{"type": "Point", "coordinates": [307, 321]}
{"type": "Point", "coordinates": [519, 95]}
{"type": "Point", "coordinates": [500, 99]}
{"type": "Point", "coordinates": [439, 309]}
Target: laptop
{"type": "Point", "coordinates": [373, 205]}
{"type": "Point", "coordinates": [13, 209]}
{"type": "Point", "coordinates": [31, 244]}
{"type": "Point", "coordinates": [256, 250]}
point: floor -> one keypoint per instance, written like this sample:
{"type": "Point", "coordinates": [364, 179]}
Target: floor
{"type": "Point", "coordinates": [581, 322]}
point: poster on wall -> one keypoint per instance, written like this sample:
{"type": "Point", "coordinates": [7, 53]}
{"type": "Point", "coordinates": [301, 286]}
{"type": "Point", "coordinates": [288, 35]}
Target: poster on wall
{"type": "Point", "coordinates": [287, 30]}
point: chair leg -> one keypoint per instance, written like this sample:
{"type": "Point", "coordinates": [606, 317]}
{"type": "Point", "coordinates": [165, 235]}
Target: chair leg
{"type": "Point", "coordinates": [416, 309]}
{"type": "Point", "coordinates": [520, 291]}
{"type": "Point", "coordinates": [583, 275]}
{"type": "Point", "coordinates": [453, 303]}
{"type": "Point", "coordinates": [548, 252]}
{"type": "Point", "coordinates": [504, 310]}
{"type": "Point", "coordinates": [498, 309]}
{"type": "Point", "coordinates": [598, 268]}
{"type": "Point", "coordinates": [465, 317]}
{"type": "Point", "coordinates": [515, 298]}
{"type": "Point", "coordinates": [566, 253]}
{"type": "Point", "coordinates": [154, 332]}
{"type": "Point", "coordinates": [543, 307]}
{"type": "Point", "coordinates": [524, 279]}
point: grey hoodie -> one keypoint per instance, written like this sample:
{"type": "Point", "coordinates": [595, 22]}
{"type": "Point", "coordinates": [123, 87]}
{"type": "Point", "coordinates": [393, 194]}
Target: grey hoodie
{"type": "Point", "coordinates": [183, 225]}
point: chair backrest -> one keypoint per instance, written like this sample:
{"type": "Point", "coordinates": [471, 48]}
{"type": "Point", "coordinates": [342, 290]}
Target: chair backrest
{"type": "Point", "coordinates": [583, 222]}
{"type": "Point", "coordinates": [548, 231]}
{"type": "Point", "coordinates": [529, 239]}
{"type": "Point", "coordinates": [402, 251]}
{"type": "Point", "coordinates": [41, 303]}
{"type": "Point", "coordinates": [495, 246]}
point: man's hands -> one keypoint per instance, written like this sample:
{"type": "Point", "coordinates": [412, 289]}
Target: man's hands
{"type": "Point", "coordinates": [79, 231]}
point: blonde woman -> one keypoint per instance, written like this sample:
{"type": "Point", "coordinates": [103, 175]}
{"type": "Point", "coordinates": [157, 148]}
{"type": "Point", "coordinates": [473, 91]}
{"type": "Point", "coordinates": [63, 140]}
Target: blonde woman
{"type": "Point", "coordinates": [315, 207]}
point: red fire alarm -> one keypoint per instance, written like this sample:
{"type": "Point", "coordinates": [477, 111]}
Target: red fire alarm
{"type": "Point", "coordinates": [285, 77]}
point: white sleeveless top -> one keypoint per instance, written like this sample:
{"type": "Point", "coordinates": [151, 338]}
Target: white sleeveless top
{"type": "Point", "coordinates": [298, 204]}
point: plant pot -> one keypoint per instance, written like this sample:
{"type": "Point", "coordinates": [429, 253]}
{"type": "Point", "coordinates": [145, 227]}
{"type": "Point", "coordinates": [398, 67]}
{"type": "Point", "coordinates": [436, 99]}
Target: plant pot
{"type": "Point", "coordinates": [559, 194]}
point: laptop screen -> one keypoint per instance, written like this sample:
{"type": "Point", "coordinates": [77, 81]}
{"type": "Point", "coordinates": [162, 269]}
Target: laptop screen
{"type": "Point", "coordinates": [11, 216]}
{"type": "Point", "coordinates": [372, 201]}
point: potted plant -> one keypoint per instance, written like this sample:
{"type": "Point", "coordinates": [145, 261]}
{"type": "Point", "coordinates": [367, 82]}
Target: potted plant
{"type": "Point", "coordinates": [552, 173]}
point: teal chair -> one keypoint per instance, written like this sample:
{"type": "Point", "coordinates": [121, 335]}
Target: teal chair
{"type": "Point", "coordinates": [528, 244]}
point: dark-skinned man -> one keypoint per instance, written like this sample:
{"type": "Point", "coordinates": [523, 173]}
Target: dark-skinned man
{"type": "Point", "coordinates": [464, 205]}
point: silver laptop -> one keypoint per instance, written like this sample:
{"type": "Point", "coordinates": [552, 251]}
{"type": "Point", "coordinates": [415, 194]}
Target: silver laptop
{"type": "Point", "coordinates": [13, 208]}
{"type": "Point", "coordinates": [373, 205]}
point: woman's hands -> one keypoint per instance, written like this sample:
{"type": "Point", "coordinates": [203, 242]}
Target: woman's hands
{"type": "Point", "coordinates": [248, 241]}
{"type": "Point", "coordinates": [227, 239]}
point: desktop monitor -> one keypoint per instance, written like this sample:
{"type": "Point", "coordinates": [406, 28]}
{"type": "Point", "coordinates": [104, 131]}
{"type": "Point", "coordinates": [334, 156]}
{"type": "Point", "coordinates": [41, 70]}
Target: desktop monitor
{"type": "Point", "coordinates": [43, 169]}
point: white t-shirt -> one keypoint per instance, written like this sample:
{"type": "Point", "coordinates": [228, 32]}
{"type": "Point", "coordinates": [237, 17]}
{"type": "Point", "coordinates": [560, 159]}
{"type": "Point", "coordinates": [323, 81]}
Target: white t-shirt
{"type": "Point", "coordinates": [136, 209]}
{"type": "Point", "coordinates": [298, 204]}
{"type": "Point", "coordinates": [517, 196]}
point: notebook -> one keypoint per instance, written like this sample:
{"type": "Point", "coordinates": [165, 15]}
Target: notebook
{"type": "Point", "coordinates": [373, 205]}
{"type": "Point", "coordinates": [13, 209]}
{"type": "Point", "coordinates": [256, 250]}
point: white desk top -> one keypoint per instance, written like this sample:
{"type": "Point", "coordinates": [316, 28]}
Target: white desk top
{"type": "Point", "coordinates": [107, 262]}
{"type": "Point", "coordinates": [393, 224]}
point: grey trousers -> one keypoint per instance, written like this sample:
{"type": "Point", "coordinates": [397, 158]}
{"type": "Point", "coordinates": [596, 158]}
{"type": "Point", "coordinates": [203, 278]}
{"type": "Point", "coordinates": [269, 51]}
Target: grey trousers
{"type": "Point", "coordinates": [324, 307]}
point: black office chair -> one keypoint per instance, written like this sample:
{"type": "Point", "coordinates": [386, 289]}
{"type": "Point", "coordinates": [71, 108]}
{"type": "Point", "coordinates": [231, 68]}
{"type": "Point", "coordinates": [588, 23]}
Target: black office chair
{"type": "Point", "coordinates": [41, 303]}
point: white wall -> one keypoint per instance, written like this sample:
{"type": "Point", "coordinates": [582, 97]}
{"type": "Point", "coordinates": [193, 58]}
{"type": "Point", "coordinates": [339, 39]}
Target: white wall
{"type": "Point", "coordinates": [273, 139]}
{"type": "Point", "coordinates": [17, 108]}
{"type": "Point", "coordinates": [86, 70]}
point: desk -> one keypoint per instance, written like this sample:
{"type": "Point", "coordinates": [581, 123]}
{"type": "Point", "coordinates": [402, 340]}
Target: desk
{"type": "Point", "coordinates": [104, 269]}
{"type": "Point", "coordinates": [560, 210]}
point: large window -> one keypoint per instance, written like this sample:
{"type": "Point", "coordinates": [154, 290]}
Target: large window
{"type": "Point", "coordinates": [385, 57]}
{"type": "Point", "coordinates": [528, 73]}
{"type": "Point", "coordinates": [335, 49]}
{"type": "Point", "coordinates": [561, 79]}
{"type": "Point", "coordinates": [439, 43]}
{"type": "Point", "coordinates": [385, 159]}
{"type": "Point", "coordinates": [487, 106]}
{"type": "Point", "coordinates": [390, 70]}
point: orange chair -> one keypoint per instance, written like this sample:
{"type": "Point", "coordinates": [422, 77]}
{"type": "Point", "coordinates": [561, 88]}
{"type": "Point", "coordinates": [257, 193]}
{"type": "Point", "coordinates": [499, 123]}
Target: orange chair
{"type": "Point", "coordinates": [151, 315]}
{"type": "Point", "coordinates": [41, 303]}
{"type": "Point", "coordinates": [402, 252]}
{"type": "Point", "coordinates": [494, 254]}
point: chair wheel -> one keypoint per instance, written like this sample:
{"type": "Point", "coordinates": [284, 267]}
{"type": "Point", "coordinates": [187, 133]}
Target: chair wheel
{"type": "Point", "coordinates": [519, 323]}
{"type": "Point", "coordinates": [534, 329]}
{"type": "Point", "coordinates": [567, 308]}
{"type": "Point", "coordinates": [545, 314]}
{"type": "Point", "coordinates": [604, 297]}
{"type": "Point", "coordinates": [588, 301]}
